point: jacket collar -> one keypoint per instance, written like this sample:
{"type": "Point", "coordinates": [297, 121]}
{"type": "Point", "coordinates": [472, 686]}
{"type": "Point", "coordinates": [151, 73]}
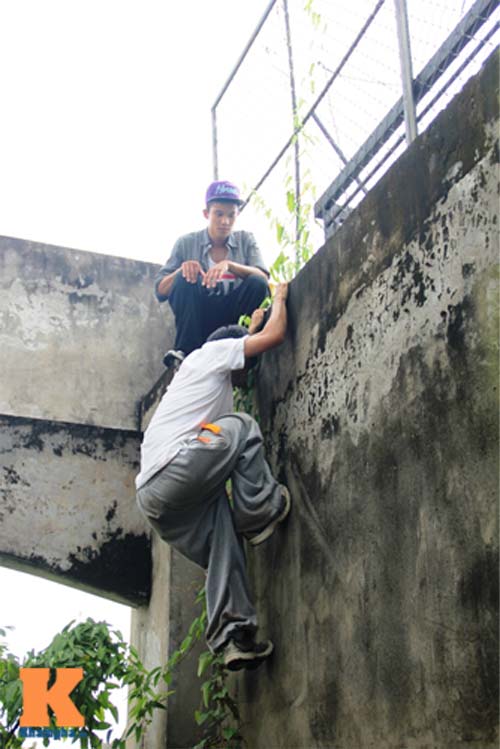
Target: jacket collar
{"type": "Point", "coordinates": [207, 242]}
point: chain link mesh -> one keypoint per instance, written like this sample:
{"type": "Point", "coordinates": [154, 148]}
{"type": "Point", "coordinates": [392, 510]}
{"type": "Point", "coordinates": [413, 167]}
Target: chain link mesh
{"type": "Point", "coordinates": [347, 79]}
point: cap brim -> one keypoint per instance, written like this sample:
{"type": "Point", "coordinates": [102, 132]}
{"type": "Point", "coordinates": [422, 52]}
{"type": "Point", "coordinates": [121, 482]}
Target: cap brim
{"type": "Point", "coordinates": [238, 202]}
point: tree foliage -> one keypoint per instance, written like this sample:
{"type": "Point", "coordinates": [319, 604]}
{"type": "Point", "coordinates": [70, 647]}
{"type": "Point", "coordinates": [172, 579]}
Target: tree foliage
{"type": "Point", "coordinates": [109, 663]}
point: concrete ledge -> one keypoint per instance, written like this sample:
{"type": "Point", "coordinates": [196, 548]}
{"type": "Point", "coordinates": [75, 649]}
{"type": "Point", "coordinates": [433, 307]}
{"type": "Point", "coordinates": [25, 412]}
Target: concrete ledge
{"type": "Point", "coordinates": [151, 400]}
{"type": "Point", "coordinates": [82, 334]}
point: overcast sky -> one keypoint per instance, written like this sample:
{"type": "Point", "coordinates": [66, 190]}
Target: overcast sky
{"type": "Point", "coordinates": [105, 139]}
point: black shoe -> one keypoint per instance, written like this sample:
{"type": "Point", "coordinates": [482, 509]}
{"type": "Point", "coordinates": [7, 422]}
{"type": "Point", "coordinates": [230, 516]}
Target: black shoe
{"type": "Point", "coordinates": [246, 653]}
{"type": "Point", "coordinates": [174, 358]}
{"type": "Point", "coordinates": [264, 534]}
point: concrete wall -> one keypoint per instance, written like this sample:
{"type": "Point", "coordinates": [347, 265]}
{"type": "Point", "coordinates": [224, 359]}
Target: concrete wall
{"type": "Point", "coordinates": [82, 334]}
{"type": "Point", "coordinates": [67, 506]}
{"type": "Point", "coordinates": [158, 631]}
{"type": "Point", "coordinates": [82, 341]}
{"type": "Point", "coordinates": [380, 412]}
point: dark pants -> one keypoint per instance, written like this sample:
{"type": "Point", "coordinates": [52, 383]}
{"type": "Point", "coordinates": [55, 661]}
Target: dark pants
{"type": "Point", "coordinates": [198, 312]}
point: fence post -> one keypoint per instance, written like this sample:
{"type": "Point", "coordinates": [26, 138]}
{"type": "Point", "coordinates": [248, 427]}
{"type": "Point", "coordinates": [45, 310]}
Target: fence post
{"type": "Point", "coordinates": [298, 218]}
{"type": "Point", "coordinates": [406, 69]}
{"type": "Point", "coordinates": [229, 81]}
{"type": "Point", "coordinates": [214, 143]}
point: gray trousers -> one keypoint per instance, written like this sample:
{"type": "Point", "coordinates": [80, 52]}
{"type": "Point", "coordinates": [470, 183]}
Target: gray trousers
{"type": "Point", "coordinates": [187, 504]}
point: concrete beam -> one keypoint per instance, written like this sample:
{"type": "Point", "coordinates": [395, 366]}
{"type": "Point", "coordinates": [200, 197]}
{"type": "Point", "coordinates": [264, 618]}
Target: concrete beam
{"type": "Point", "coordinates": [67, 507]}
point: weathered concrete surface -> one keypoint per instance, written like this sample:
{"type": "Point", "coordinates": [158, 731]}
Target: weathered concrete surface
{"type": "Point", "coordinates": [149, 635]}
{"type": "Point", "coordinates": [82, 340]}
{"type": "Point", "coordinates": [67, 507]}
{"type": "Point", "coordinates": [151, 400]}
{"type": "Point", "coordinates": [82, 334]}
{"type": "Point", "coordinates": [186, 580]}
{"type": "Point", "coordinates": [380, 412]}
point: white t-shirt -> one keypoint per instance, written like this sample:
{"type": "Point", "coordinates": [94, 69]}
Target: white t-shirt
{"type": "Point", "coordinates": [200, 392]}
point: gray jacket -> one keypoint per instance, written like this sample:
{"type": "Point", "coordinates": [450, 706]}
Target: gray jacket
{"type": "Point", "coordinates": [242, 247]}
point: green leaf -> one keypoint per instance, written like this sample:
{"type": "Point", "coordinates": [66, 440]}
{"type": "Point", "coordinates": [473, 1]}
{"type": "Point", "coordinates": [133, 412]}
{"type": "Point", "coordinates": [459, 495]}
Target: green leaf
{"type": "Point", "coordinates": [159, 705]}
{"type": "Point", "coordinates": [134, 652]}
{"type": "Point", "coordinates": [102, 725]}
{"type": "Point", "coordinates": [203, 744]}
{"type": "Point", "coordinates": [200, 717]}
{"type": "Point", "coordinates": [204, 661]}
{"type": "Point", "coordinates": [206, 688]}
{"type": "Point", "coordinates": [243, 320]}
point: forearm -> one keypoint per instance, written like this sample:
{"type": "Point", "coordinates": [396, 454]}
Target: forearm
{"type": "Point", "coordinates": [276, 325]}
{"type": "Point", "coordinates": [245, 270]}
{"type": "Point", "coordinates": [274, 331]}
{"type": "Point", "coordinates": [165, 286]}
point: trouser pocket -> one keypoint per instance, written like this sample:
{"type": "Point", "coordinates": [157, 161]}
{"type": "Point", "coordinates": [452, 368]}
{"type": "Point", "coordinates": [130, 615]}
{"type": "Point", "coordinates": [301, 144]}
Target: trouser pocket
{"type": "Point", "coordinates": [196, 473]}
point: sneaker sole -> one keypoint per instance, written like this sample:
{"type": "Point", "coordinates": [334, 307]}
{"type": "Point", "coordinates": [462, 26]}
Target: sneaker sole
{"type": "Point", "coordinates": [269, 529]}
{"type": "Point", "coordinates": [247, 660]}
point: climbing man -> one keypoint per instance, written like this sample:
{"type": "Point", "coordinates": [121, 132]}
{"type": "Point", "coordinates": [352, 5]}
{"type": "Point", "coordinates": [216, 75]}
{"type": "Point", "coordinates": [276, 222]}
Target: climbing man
{"type": "Point", "coordinates": [213, 276]}
{"type": "Point", "coordinates": [192, 446]}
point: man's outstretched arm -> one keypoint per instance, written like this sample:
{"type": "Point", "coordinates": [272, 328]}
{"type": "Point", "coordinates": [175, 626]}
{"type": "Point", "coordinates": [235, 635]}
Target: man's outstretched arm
{"type": "Point", "coordinates": [274, 330]}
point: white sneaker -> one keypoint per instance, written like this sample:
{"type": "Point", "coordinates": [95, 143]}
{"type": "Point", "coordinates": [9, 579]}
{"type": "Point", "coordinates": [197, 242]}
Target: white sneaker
{"type": "Point", "coordinates": [174, 358]}
{"type": "Point", "coordinates": [264, 534]}
{"type": "Point", "coordinates": [237, 655]}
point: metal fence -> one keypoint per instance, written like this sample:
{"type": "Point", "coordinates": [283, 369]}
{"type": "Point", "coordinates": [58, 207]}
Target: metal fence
{"type": "Point", "coordinates": [328, 93]}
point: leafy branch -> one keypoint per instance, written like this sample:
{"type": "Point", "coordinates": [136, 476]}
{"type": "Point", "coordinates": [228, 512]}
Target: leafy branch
{"type": "Point", "coordinates": [108, 664]}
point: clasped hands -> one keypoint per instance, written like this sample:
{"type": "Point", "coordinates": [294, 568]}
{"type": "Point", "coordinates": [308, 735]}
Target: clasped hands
{"type": "Point", "coordinates": [190, 270]}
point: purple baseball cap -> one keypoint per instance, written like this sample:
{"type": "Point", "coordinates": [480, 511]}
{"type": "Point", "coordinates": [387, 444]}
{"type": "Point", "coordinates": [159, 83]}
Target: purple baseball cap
{"type": "Point", "coordinates": [224, 191]}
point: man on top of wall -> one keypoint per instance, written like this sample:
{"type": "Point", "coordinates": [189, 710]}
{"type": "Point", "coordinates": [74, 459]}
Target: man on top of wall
{"type": "Point", "coordinates": [212, 276]}
{"type": "Point", "coordinates": [192, 446]}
